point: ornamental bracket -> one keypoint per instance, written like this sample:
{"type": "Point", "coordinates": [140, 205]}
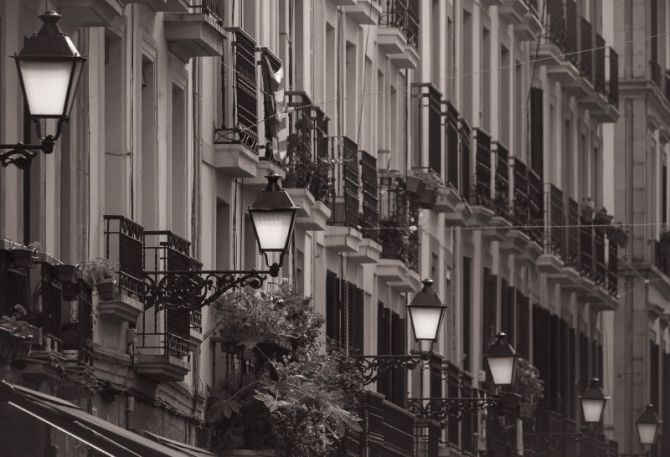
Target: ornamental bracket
{"type": "Point", "coordinates": [448, 410]}
{"type": "Point", "coordinates": [372, 366]}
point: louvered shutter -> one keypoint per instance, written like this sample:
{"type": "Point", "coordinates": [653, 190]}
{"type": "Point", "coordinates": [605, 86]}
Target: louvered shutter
{"type": "Point", "coordinates": [536, 131]}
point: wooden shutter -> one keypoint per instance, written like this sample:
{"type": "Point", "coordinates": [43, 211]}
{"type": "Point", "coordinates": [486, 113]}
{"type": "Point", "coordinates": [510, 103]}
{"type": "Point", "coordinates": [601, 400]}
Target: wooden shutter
{"type": "Point", "coordinates": [536, 131]}
{"type": "Point", "coordinates": [467, 268]}
{"type": "Point", "coordinates": [332, 306]}
{"type": "Point", "coordinates": [357, 310]}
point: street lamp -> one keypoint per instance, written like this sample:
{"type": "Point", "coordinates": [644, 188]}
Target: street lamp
{"type": "Point", "coordinates": [647, 426]}
{"type": "Point", "coordinates": [273, 219]}
{"type": "Point", "coordinates": [593, 401]}
{"type": "Point", "coordinates": [49, 68]}
{"type": "Point", "coordinates": [501, 359]}
{"type": "Point", "coordinates": [426, 313]}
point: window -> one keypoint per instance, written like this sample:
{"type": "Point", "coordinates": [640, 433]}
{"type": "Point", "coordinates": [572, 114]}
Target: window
{"type": "Point", "coordinates": [536, 131]}
{"type": "Point", "coordinates": [467, 305]}
{"type": "Point", "coordinates": [115, 153]}
{"type": "Point", "coordinates": [350, 91]}
{"type": "Point", "coordinates": [467, 67]}
{"type": "Point", "coordinates": [179, 186]}
{"type": "Point", "coordinates": [331, 74]}
{"type": "Point", "coordinates": [148, 154]}
{"type": "Point", "coordinates": [504, 91]}
{"type": "Point", "coordinates": [485, 78]}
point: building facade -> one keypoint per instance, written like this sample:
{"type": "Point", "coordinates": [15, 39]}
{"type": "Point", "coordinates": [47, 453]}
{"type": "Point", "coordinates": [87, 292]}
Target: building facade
{"type": "Point", "coordinates": [474, 142]}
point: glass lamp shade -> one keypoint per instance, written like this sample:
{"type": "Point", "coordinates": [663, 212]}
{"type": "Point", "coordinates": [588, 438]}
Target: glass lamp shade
{"type": "Point", "coordinates": [49, 68]}
{"type": "Point", "coordinates": [426, 313]}
{"type": "Point", "coordinates": [647, 426]}
{"type": "Point", "coordinates": [273, 217]}
{"type": "Point", "coordinates": [501, 359]}
{"type": "Point", "coordinates": [593, 402]}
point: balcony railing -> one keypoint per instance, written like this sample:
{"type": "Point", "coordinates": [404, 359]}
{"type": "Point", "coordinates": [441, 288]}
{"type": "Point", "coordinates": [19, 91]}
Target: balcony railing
{"type": "Point", "coordinates": [535, 206]}
{"type": "Point", "coordinates": [481, 190]}
{"type": "Point", "coordinates": [556, 25]}
{"type": "Point", "coordinates": [613, 93]}
{"type": "Point", "coordinates": [398, 213]}
{"type": "Point", "coordinates": [586, 48]}
{"type": "Point", "coordinates": [403, 15]}
{"type": "Point", "coordinates": [392, 427]}
{"type": "Point", "coordinates": [212, 7]}
{"type": "Point", "coordinates": [429, 101]}
{"type": "Point", "coordinates": [613, 267]}
{"type": "Point", "coordinates": [502, 182]}
{"type": "Point", "coordinates": [554, 236]}
{"type": "Point", "coordinates": [572, 45]}
{"type": "Point", "coordinates": [308, 164]}
{"type": "Point", "coordinates": [571, 256]}
{"type": "Point", "coordinates": [167, 332]}
{"type": "Point", "coordinates": [344, 182]}
{"type": "Point", "coordinates": [450, 119]}
{"type": "Point", "coordinates": [369, 218]}
{"type": "Point", "coordinates": [520, 197]}
{"type": "Point", "coordinates": [240, 93]}
{"type": "Point", "coordinates": [600, 265]}
{"type": "Point", "coordinates": [124, 243]}
{"type": "Point", "coordinates": [586, 266]}
{"type": "Point", "coordinates": [599, 56]}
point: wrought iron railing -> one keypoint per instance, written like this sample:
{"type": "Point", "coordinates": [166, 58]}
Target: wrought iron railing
{"type": "Point", "coordinates": [241, 95]}
{"type": "Point", "coordinates": [586, 266]}
{"type": "Point", "coordinates": [599, 58]}
{"type": "Point", "coordinates": [398, 213]}
{"type": "Point", "coordinates": [586, 48]}
{"type": "Point", "coordinates": [344, 182]}
{"type": "Point", "coordinates": [502, 181]}
{"type": "Point", "coordinates": [520, 200]}
{"type": "Point", "coordinates": [464, 151]}
{"type": "Point", "coordinates": [124, 244]}
{"type": "Point", "coordinates": [555, 25]}
{"type": "Point", "coordinates": [554, 234]}
{"type": "Point", "coordinates": [213, 7]}
{"type": "Point", "coordinates": [536, 206]}
{"type": "Point", "coordinates": [14, 290]}
{"type": "Point", "coordinates": [481, 190]}
{"type": "Point", "coordinates": [571, 256]}
{"type": "Point", "coordinates": [571, 38]}
{"type": "Point", "coordinates": [308, 165]}
{"type": "Point", "coordinates": [613, 90]}
{"type": "Point", "coordinates": [428, 96]}
{"type": "Point", "coordinates": [369, 218]}
{"type": "Point", "coordinates": [167, 330]}
{"type": "Point", "coordinates": [52, 304]}
{"type": "Point", "coordinates": [612, 267]}
{"type": "Point", "coordinates": [403, 15]}
{"type": "Point", "coordinates": [450, 116]}
{"type": "Point", "coordinates": [393, 424]}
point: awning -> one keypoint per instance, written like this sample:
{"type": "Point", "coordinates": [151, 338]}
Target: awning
{"type": "Point", "coordinates": [105, 437]}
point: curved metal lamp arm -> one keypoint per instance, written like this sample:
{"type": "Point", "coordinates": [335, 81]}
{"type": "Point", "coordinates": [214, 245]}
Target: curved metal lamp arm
{"type": "Point", "coordinates": [193, 289]}
{"type": "Point", "coordinates": [21, 155]}
{"type": "Point", "coordinates": [448, 410]}
{"type": "Point", "coordinates": [372, 366]}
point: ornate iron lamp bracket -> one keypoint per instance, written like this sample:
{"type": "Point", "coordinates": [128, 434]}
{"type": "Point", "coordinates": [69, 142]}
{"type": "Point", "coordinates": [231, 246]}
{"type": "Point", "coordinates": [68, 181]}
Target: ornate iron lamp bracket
{"type": "Point", "coordinates": [448, 410]}
{"type": "Point", "coordinates": [21, 155]}
{"type": "Point", "coordinates": [193, 289]}
{"type": "Point", "coordinates": [372, 366]}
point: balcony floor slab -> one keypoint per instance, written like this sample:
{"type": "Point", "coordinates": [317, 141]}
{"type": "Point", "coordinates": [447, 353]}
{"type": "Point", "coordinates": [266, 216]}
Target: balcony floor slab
{"type": "Point", "coordinates": [162, 367]}
{"type": "Point", "coordinates": [342, 238]}
{"type": "Point", "coordinates": [234, 160]}
{"type": "Point", "coordinates": [369, 251]}
{"type": "Point", "coordinates": [549, 263]}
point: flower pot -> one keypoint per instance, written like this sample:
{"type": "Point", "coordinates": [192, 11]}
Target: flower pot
{"type": "Point", "coordinates": [66, 273]}
{"type": "Point", "coordinates": [13, 347]}
{"type": "Point", "coordinates": [106, 288]}
{"type": "Point", "coordinates": [415, 185]}
{"type": "Point", "coordinates": [22, 257]}
{"type": "Point", "coordinates": [427, 198]}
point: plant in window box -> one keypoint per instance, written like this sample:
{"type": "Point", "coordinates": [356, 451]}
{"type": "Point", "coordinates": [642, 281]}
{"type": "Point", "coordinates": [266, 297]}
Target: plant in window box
{"type": "Point", "coordinates": [586, 210]}
{"type": "Point", "coordinates": [16, 335]}
{"type": "Point", "coordinates": [529, 386]}
{"type": "Point", "coordinates": [22, 256]}
{"type": "Point", "coordinates": [100, 271]}
{"type": "Point", "coordinates": [617, 234]}
{"type": "Point", "coordinates": [601, 218]}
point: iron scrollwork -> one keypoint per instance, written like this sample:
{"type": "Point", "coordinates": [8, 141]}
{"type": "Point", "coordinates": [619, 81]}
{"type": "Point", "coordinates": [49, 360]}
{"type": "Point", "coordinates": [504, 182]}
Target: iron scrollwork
{"type": "Point", "coordinates": [21, 155]}
{"type": "Point", "coordinates": [448, 410]}
{"type": "Point", "coordinates": [373, 366]}
{"type": "Point", "coordinates": [191, 290]}
{"type": "Point", "coordinates": [548, 443]}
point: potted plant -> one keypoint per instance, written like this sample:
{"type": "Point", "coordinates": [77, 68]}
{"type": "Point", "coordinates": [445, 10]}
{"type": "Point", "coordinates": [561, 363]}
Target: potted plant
{"type": "Point", "coordinates": [22, 256]}
{"type": "Point", "coordinates": [100, 271]}
{"type": "Point", "coordinates": [586, 210]}
{"type": "Point", "coordinates": [415, 185]}
{"type": "Point", "coordinates": [16, 335]}
{"type": "Point", "coordinates": [602, 218]}
{"type": "Point", "coordinates": [529, 386]}
{"type": "Point", "coordinates": [66, 273]}
{"type": "Point", "coordinates": [289, 397]}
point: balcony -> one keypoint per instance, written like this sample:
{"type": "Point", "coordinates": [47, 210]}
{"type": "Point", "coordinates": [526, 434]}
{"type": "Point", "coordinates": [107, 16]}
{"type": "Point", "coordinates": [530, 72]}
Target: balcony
{"type": "Point", "coordinates": [236, 142]}
{"type": "Point", "coordinates": [513, 11]}
{"type": "Point", "coordinates": [602, 100]}
{"type": "Point", "coordinates": [398, 35]}
{"type": "Point", "coordinates": [124, 242]}
{"type": "Point", "coordinates": [178, 6]}
{"type": "Point", "coordinates": [166, 336]}
{"type": "Point", "coordinates": [308, 167]}
{"type": "Point", "coordinates": [196, 34]}
{"type": "Point", "coordinates": [551, 261]}
{"type": "Point", "coordinates": [364, 12]}
{"type": "Point", "coordinates": [397, 226]}
{"type": "Point", "coordinates": [531, 26]}
{"type": "Point", "coordinates": [390, 428]}
{"type": "Point", "coordinates": [91, 13]}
